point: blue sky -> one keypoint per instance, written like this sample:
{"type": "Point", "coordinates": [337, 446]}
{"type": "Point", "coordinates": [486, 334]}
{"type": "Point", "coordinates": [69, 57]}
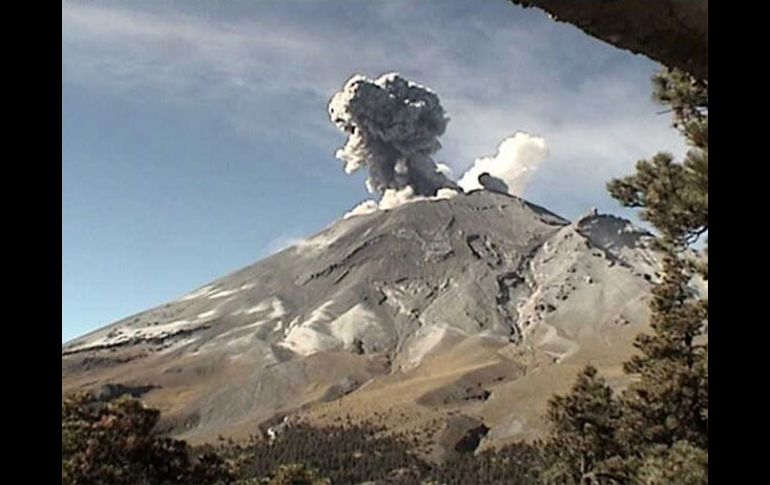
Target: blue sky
{"type": "Point", "coordinates": [195, 136]}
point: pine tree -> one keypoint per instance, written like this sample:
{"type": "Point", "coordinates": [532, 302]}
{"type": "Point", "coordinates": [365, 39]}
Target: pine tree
{"type": "Point", "coordinates": [583, 435]}
{"type": "Point", "coordinates": [296, 475]}
{"type": "Point", "coordinates": [680, 464]}
{"type": "Point", "coordinates": [114, 443]}
{"type": "Point", "coordinates": [669, 400]}
{"type": "Point", "coordinates": [667, 405]}
{"type": "Point", "coordinates": [673, 197]}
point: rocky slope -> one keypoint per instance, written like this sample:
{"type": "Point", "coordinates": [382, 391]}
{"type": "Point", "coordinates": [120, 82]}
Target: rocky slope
{"type": "Point", "coordinates": [454, 318]}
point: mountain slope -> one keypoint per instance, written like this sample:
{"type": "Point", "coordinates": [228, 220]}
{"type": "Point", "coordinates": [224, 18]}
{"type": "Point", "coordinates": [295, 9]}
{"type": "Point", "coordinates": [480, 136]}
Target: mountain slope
{"type": "Point", "coordinates": [436, 316]}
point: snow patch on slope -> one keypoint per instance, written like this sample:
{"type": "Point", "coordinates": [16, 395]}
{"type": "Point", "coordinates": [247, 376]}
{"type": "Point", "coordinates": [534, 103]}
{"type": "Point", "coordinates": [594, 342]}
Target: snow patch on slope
{"type": "Point", "coordinates": [222, 294]}
{"type": "Point", "coordinates": [356, 324]}
{"type": "Point", "coordinates": [124, 335]}
{"type": "Point", "coordinates": [204, 291]}
{"type": "Point", "coordinates": [308, 340]}
{"type": "Point", "coordinates": [274, 305]}
{"type": "Point", "coordinates": [324, 330]}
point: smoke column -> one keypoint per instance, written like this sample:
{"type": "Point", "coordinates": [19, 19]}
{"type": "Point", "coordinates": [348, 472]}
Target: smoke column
{"type": "Point", "coordinates": [393, 127]}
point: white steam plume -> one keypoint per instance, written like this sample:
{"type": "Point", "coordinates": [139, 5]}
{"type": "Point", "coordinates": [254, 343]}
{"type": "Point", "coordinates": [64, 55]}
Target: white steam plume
{"type": "Point", "coordinates": [365, 207]}
{"type": "Point", "coordinates": [517, 159]}
{"type": "Point", "coordinates": [393, 198]}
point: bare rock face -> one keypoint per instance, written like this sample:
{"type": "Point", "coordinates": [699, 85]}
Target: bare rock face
{"type": "Point", "coordinates": [479, 306]}
{"type": "Point", "coordinates": [672, 32]}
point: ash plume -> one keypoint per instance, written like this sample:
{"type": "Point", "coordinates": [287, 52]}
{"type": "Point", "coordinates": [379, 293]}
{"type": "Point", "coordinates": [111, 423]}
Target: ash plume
{"type": "Point", "coordinates": [393, 126]}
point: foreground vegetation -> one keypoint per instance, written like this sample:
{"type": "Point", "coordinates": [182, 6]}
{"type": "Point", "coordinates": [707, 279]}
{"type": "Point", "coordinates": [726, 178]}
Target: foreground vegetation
{"type": "Point", "coordinates": [115, 443]}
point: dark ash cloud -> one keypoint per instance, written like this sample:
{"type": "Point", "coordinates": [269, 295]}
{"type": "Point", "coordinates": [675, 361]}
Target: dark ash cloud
{"type": "Point", "coordinates": [393, 126]}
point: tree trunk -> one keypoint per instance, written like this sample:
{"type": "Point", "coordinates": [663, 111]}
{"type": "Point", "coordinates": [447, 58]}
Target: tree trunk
{"type": "Point", "coordinates": [672, 32]}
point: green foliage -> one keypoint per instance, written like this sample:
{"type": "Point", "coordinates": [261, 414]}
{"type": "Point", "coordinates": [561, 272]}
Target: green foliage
{"type": "Point", "coordinates": [673, 197]}
{"type": "Point", "coordinates": [583, 430]}
{"type": "Point", "coordinates": [680, 464]}
{"type": "Point", "coordinates": [114, 443]}
{"type": "Point", "coordinates": [515, 464]}
{"type": "Point", "coordinates": [360, 453]}
{"type": "Point", "coordinates": [686, 96]}
{"type": "Point", "coordinates": [343, 453]}
{"type": "Point", "coordinates": [296, 475]}
{"type": "Point", "coordinates": [668, 402]}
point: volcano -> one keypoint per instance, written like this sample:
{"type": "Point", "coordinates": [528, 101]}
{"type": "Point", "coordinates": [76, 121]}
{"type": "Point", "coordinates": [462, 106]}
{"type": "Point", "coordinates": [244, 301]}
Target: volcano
{"type": "Point", "coordinates": [448, 316]}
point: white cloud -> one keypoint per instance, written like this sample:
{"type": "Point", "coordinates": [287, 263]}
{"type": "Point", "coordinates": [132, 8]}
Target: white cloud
{"type": "Point", "coordinates": [283, 241]}
{"type": "Point", "coordinates": [517, 158]}
{"type": "Point", "coordinates": [179, 53]}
